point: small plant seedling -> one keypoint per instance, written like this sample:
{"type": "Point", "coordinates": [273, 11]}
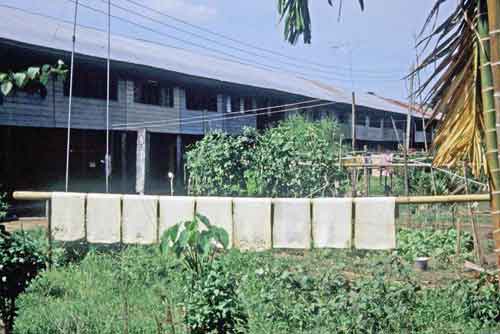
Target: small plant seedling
{"type": "Point", "coordinates": [195, 242]}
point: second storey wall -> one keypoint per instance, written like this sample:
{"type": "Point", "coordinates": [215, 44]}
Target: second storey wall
{"type": "Point", "coordinates": [23, 109]}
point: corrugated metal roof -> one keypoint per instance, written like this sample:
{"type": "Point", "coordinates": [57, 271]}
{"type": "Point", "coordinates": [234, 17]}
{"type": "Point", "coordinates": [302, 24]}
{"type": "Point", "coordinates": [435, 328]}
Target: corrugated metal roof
{"type": "Point", "coordinates": [51, 33]}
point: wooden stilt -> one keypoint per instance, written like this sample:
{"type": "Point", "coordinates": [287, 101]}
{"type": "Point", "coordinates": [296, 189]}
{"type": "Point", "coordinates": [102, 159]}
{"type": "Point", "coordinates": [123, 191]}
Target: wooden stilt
{"type": "Point", "coordinates": [178, 161]}
{"type": "Point", "coordinates": [123, 157]}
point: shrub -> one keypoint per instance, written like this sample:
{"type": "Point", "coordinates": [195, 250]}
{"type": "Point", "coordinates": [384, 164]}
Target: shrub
{"type": "Point", "coordinates": [438, 244]}
{"type": "Point", "coordinates": [298, 158]}
{"type": "Point", "coordinates": [216, 164]}
{"type": "Point", "coordinates": [20, 261]}
{"type": "Point", "coordinates": [213, 305]}
{"type": "Point", "coordinates": [3, 207]}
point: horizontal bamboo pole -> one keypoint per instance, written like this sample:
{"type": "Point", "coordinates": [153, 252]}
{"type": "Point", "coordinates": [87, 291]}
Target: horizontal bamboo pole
{"type": "Point", "coordinates": [443, 199]}
{"type": "Point", "coordinates": [32, 195]}
{"type": "Point", "coordinates": [35, 196]}
{"type": "Point", "coordinates": [361, 165]}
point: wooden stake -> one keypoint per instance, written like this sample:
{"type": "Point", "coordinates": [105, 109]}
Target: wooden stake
{"type": "Point", "coordinates": [354, 177]}
{"type": "Point", "coordinates": [353, 122]}
{"type": "Point", "coordinates": [407, 190]}
{"type": "Point", "coordinates": [459, 230]}
{"type": "Point", "coordinates": [475, 231]}
{"type": "Point", "coordinates": [410, 108]}
{"type": "Point", "coordinates": [365, 171]}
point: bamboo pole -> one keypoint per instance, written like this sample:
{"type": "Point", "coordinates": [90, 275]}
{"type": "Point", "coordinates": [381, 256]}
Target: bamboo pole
{"type": "Point", "coordinates": [410, 107]}
{"type": "Point", "coordinates": [494, 38]}
{"type": "Point", "coordinates": [421, 104]}
{"type": "Point", "coordinates": [407, 190]}
{"type": "Point", "coordinates": [394, 127]}
{"type": "Point", "coordinates": [415, 165]}
{"type": "Point", "coordinates": [474, 227]}
{"type": "Point", "coordinates": [442, 199]}
{"type": "Point", "coordinates": [36, 196]}
{"type": "Point", "coordinates": [494, 34]}
{"type": "Point", "coordinates": [489, 112]}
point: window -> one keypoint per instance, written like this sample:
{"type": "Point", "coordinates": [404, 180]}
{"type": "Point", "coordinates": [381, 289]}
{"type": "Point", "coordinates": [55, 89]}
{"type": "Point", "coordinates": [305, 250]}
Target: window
{"type": "Point", "coordinates": [201, 99]}
{"type": "Point", "coordinates": [153, 93]}
{"type": "Point", "coordinates": [360, 118]}
{"type": "Point", "coordinates": [92, 84]}
{"type": "Point", "coordinates": [419, 126]}
{"type": "Point", "coordinates": [235, 104]}
{"type": "Point", "coordinates": [248, 102]}
{"type": "Point", "coordinates": [376, 119]}
{"type": "Point", "coordinates": [342, 117]}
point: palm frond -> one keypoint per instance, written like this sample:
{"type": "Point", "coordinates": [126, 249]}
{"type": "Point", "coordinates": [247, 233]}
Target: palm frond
{"type": "Point", "coordinates": [297, 19]}
{"type": "Point", "coordinates": [452, 89]}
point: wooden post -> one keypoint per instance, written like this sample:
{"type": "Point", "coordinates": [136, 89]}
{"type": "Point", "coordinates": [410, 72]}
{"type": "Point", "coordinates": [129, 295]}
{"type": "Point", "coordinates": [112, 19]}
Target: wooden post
{"type": "Point", "coordinates": [475, 231]}
{"type": "Point", "coordinates": [395, 128]}
{"type": "Point", "coordinates": [49, 231]}
{"type": "Point", "coordinates": [123, 156]}
{"type": "Point", "coordinates": [353, 122]}
{"type": "Point", "coordinates": [340, 160]}
{"type": "Point", "coordinates": [85, 162]}
{"type": "Point", "coordinates": [410, 108]}
{"type": "Point", "coordinates": [178, 161]}
{"type": "Point", "coordinates": [386, 191]}
{"type": "Point", "coordinates": [458, 225]}
{"type": "Point", "coordinates": [141, 160]}
{"type": "Point", "coordinates": [365, 171]}
{"type": "Point", "coordinates": [340, 151]}
{"type": "Point", "coordinates": [407, 190]}
{"type": "Point", "coordinates": [204, 121]}
{"type": "Point", "coordinates": [8, 177]}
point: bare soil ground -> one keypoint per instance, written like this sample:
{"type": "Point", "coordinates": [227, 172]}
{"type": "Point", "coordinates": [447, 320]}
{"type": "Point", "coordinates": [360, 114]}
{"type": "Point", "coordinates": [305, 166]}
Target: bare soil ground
{"type": "Point", "coordinates": [26, 224]}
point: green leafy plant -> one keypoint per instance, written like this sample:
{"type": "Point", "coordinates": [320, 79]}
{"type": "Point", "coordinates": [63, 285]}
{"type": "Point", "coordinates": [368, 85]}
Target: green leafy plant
{"type": "Point", "coordinates": [213, 305]}
{"type": "Point", "coordinates": [298, 158]}
{"type": "Point", "coordinates": [3, 207]}
{"type": "Point", "coordinates": [20, 261]}
{"type": "Point", "coordinates": [32, 76]}
{"type": "Point", "coordinates": [195, 242]}
{"type": "Point", "coordinates": [438, 244]}
{"type": "Point", "coordinates": [217, 163]}
{"type": "Point", "coordinates": [322, 291]}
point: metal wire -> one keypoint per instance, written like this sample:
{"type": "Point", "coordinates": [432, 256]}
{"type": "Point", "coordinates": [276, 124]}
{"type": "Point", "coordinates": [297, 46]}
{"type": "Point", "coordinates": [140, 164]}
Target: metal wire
{"type": "Point", "coordinates": [107, 159]}
{"type": "Point", "coordinates": [68, 141]}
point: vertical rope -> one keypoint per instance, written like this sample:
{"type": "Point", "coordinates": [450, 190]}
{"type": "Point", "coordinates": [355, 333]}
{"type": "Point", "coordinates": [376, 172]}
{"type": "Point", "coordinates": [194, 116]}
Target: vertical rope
{"type": "Point", "coordinates": [108, 158]}
{"type": "Point", "coordinates": [71, 96]}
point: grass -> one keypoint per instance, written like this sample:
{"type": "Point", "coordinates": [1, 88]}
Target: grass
{"type": "Point", "coordinates": [138, 290]}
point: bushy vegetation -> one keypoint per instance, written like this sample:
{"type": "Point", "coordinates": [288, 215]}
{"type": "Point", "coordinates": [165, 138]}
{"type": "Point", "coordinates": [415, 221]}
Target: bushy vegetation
{"type": "Point", "coordinates": [21, 258]}
{"type": "Point", "coordinates": [3, 207]}
{"type": "Point", "coordinates": [438, 244]}
{"type": "Point", "coordinates": [212, 303]}
{"type": "Point", "coordinates": [144, 290]}
{"type": "Point", "coordinates": [298, 158]}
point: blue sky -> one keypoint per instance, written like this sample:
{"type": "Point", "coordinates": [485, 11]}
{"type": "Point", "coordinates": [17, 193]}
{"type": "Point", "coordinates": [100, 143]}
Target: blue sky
{"type": "Point", "coordinates": [379, 42]}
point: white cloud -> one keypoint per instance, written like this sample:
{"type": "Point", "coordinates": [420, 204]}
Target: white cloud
{"type": "Point", "coordinates": [184, 9]}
